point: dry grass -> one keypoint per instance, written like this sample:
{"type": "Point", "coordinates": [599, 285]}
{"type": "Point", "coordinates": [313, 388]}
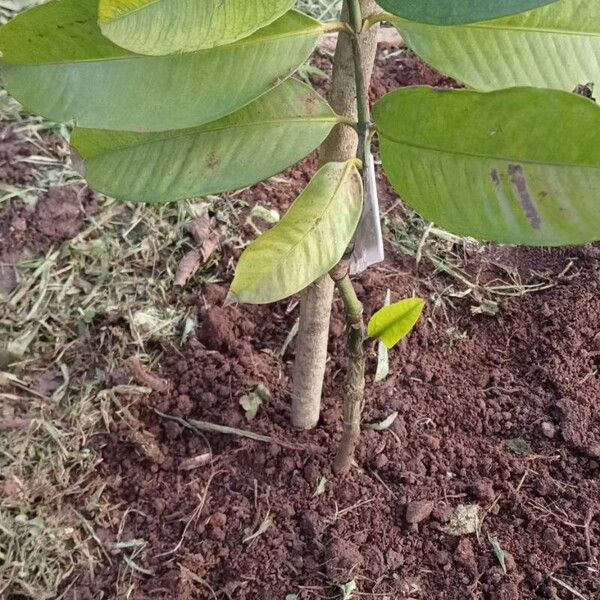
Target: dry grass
{"type": "Point", "coordinates": [77, 313]}
{"type": "Point", "coordinates": [8, 8]}
{"type": "Point", "coordinates": [320, 9]}
{"type": "Point", "coordinates": [452, 256]}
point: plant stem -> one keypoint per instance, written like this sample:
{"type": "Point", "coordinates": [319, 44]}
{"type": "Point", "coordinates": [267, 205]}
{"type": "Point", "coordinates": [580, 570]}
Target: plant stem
{"type": "Point", "coordinates": [362, 94]}
{"type": "Point", "coordinates": [316, 300]}
{"type": "Point", "coordinates": [355, 15]}
{"type": "Point", "coordinates": [355, 377]}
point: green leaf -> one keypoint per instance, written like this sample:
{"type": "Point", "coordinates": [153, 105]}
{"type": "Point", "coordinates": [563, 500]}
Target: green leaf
{"type": "Point", "coordinates": [393, 323]}
{"type": "Point", "coordinates": [57, 63]}
{"type": "Point", "coordinates": [498, 551]}
{"type": "Point", "coordinates": [519, 446]}
{"type": "Point", "coordinates": [517, 166]}
{"type": "Point", "coordinates": [557, 46]}
{"type": "Point", "coordinates": [449, 12]}
{"type": "Point", "coordinates": [161, 27]}
{"type": "Point", "coordinates": [308, 241]}
{"type": "Point", "coordinates": [258, 141]}
{"type": "Point", "coordinates": [347, 589]}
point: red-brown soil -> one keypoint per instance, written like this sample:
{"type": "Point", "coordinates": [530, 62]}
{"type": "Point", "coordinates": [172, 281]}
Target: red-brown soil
{"type": "Point", "coordinates": [462, 387]}
{"type": "Point", "coordinates": [27, 230]}
{"type": "Point", "coordinates": [249, 525]}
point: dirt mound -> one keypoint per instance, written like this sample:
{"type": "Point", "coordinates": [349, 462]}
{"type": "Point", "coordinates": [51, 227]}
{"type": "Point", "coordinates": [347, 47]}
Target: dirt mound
{"type": "Point", "coordinates": [502, 416]}
{"type": "Point", "coordinates": [30, 228]}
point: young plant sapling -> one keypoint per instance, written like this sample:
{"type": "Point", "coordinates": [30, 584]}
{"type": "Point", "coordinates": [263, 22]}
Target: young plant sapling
{"type": "Point", "coordinates": [180, 99]}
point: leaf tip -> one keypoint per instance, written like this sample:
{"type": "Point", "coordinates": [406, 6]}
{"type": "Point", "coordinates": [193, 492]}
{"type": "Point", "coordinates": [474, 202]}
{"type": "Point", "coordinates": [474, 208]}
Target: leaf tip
{"type": "Point", "coordinates": [231, 299]}
{"type": "Point", "coordinates": [77, 162]}
{"type": "Point", "coordinates": [393, 323]}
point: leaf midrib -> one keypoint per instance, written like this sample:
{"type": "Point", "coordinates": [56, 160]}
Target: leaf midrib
{"type": "Point", "coordinates": [124, 15]}
{"type": "Point", "coordinates": [407, 24]}
{"type": "Point", "coordinates": [192, 133]}
{"type": "Point", "coordinates": [133, 56]}
{"type": "Point", "coordinates": [483, 156]}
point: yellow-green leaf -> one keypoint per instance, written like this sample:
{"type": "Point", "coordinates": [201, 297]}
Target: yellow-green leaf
{"type": "Point", "coordinates": [448, 12]}
{"type": "Point", "coordinates": [161, 27]}
{"type": "Point", "coordinates": [259, 140]}
{"type": "Point", "coordinates": [308, 241]}
{"type": "Point", "coordinates": [516, 166]}
{"type": "Point", "coordinates": [556, 46]}
{"type": "Point", "coordinates": [393, 323]}
{"type": "Point", "coordinates": [57, 63]}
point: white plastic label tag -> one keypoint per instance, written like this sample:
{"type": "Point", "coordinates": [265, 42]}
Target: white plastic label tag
{"type": "Point", "coordinates": [368, 245]}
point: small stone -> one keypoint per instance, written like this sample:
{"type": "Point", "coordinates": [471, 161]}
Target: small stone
{"type": "Point", "coordinates": [548, 429]}
{"type": "Point", "coordinates": [495, 575]}
{"type": "Point", "coordinates": [419, 511]}
{"type": "Point", "coordinates": [442, 558]}
{"type": "Point", "coordinates": [218, 520]}
{"type": "Point", "coordinates": [593, 450]}
{"type": "Point", "coordinates": [172, 430]}
{"type": "Point", "coordinates": [432, 442]}
{"type": "Point", "coordinates": [394, 560]}
{"type": "Point", "coordinates": [311, 525]}
{"type": "Point", "coordinates": [218, 534]}
{"type": "Point", "coordinates": [19, 224]}
{"type": "Point", "coordinates": [510, 562]}
{"type": "Point", "coordinates": [311, 474]}
{"type": "Point", "coordinates": [483, 490]}
{"type": "Point", "coordinates": [443, 513]}
{"type": "Point", "coordinates": [552, 539]}
{"type": "Point", "coordinates": [342, 558]}
{"type": "Point", "coordinates": [465, 555]}
{"type": "Point", "coordinates": [159, 505]}
{"type": "Point", "coordinates": [381, 461]}
{"type": "Point", "coordinates": [508, 591]}
{"type": "Point", "coordinates": [409, 369]}
{"type": "Point", "coordinates": [337, 328]}
{"type": "Point", "coordinates": [185, 405]}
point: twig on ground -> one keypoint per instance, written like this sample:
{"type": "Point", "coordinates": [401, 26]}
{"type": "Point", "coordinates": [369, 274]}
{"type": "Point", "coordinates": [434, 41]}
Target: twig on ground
{"type": "Point", "coordinates": [205, 426]}
{"type": "Point", "coordinates": [567, 587]}
{"type": "Point", "coordinates": [144, 378]}
{"type": "Point", "coordinates": [588, 535]}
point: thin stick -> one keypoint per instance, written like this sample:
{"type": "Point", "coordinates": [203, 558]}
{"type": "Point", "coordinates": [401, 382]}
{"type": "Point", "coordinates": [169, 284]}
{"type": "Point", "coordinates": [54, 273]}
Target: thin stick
{"type": "Point", "coordinates": [205, 426]}
{"type": "Point", "coordinates": [588, 535]}
{"type": "Point", "coordinates": [567, 587]}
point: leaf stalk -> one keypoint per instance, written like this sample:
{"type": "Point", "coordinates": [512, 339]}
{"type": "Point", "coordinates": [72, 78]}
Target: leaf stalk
{"type": "Point", "coordinates": [379, 18]}
{"type": "Point", "coordinates": [336, 26]}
